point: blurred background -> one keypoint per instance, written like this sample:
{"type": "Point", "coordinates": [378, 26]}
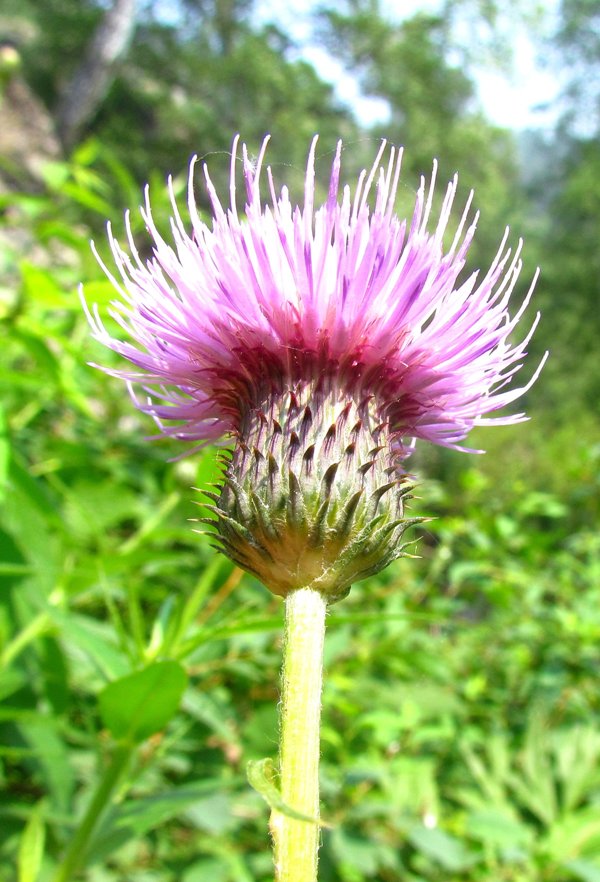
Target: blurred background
{"type": "Point", "coordinates": [461, 730]}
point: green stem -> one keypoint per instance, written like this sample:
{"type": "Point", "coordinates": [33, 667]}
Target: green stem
{"type": "Point", "coordinates": [296, 841]}
{"type": "Point", "coordinates": [38, 625]}
{"type": "Point", "coordinates": [76, 852]}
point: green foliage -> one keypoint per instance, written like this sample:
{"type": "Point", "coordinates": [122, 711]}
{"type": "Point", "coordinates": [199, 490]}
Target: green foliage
{"type": "Point", "coordinates": [51, 37]}
{"type": "Point", "coordinates": [31, 848]}
{"type": "Point", "coordinates": [139, 705]}
{"type": "Point", "coordinates": [460, 734]}
{"type": "Point", "coordinates": [570, 286]}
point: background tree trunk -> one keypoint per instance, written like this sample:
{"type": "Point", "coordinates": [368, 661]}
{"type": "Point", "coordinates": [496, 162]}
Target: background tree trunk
{"type": "Point", "coordinates": [86, 89]}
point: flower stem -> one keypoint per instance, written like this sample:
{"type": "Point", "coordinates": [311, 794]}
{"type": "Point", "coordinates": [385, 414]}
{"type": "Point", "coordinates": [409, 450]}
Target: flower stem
{"type": "Point", "coordinates": [297, 841]}
{"type": "Point", "coordinates": [76, 852]}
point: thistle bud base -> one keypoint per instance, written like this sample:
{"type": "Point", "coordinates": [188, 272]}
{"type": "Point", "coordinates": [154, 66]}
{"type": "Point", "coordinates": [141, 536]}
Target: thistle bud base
{"type": "Point", "coordinates": [313, 492]}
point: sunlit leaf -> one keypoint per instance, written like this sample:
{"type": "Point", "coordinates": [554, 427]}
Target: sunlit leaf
{"type": "Point", "coordinates": [140, 704]}
{"type": "Point", "coordinates": [31, 847]}
{"type": "Point", "coordinates": [447, 851]}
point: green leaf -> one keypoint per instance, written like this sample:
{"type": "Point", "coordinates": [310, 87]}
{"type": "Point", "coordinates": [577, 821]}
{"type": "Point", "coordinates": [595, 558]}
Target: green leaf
{"type": "Point", "coordinates": [262, 777]}
{"type": "Point", "coordinates": [497, 828]}
{"type": "Point", "coordinates": [54, 174]}
{"type": "Point", "coordinates": [208, 868]}
{"type": "Point", "coordinates": [575, 835]}
{"type": "Point", "coordinates": [442, 848]}
{"type": "Point", "coordinates": [31, 847]}
{"type": "Point", "coordinates": [584, 870]}
{"type": "Point", "coordinates": [50, 756]}
{"type": "Point", "coordinates": [82, 194]}
{"type": "Point", "coordinates": [136, 706]}
{"type": "Point", "coordinates": [29, 517]}
{"type": "Point", "coordinates": [99, 292]}
{"type": "Point", "coordinates": [213, 814]}
{"type": "Point", "coordinates": [136, 817]}
{"type": "Point", "coordinates": [155, 518]}
{"type": "Point", "coordinates": [577, 752]}
{"type": "Point", "coordinates": [94, 638]}
{"type": "Point", "coordinates": [55, 674]}
{"type": "Point", "coordinates": [246, 625]}
{"type": "Point", "coordinates": [212, 709]}
{"type": "Point", "coordinates": [4, 454]}
{"type": "Point", "coordinates": [41, 288]}
{"type": "Point", "coordinates": [355, 852]}
{"type": "Point", "coordinates": [93, 509]}
{"type": "Point", "coordinates": [141, 815]}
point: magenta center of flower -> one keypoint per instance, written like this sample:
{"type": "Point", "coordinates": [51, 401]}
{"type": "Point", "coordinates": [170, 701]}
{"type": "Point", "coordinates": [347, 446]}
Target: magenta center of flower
{"type": "Point", "coordinates": [260, 376]}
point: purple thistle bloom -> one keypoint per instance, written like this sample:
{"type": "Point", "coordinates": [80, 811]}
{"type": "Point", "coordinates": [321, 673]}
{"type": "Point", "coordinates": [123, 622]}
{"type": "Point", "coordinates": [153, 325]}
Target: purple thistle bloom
{"type": "Point", "coordinates": [342, 318]}
{"type": "Point", "coordinates": [290, 291]}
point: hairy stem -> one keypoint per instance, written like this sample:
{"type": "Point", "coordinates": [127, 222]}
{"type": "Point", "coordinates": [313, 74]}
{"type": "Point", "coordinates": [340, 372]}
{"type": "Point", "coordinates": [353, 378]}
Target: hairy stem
{"type": "Point", "coordinates": [297, 841]}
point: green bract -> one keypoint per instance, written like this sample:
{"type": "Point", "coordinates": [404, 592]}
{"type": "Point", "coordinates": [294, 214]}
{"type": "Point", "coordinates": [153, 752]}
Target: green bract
{"type": "Point", "coordinates": [313, 494]}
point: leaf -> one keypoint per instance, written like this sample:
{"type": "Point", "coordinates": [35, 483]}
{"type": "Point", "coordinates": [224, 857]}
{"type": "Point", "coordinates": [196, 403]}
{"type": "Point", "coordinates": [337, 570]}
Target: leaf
{"type": "Point", "coordinates": [208, 868]}
{"type": "Point", "coordinates": [544, 504]}
{"type": "Point", "coordinates": [584, 870]}
{"type": "Point", "coordinates": [136, 706]}
{"type": "Point", "coordinates": [212, 709]}
{"type": "Point", "coordinates": [42, 289]}
{"type": "Point", "coordinates": [92, 509]}
{"type": "Point", "coordinates": [534, 783]}
{"type": "Point", "coordinates": [81, 194]}
{"type": "Point", "coordinates": [30, 518]}
{"type": "Point", "coordinates": [141, 815]}
{"type": "Point", "coordinates": [156, 517]}
{"type": "Point", "coordinates": [442, 848]}
{"type": "Point", "coordinates": [491, 776]}
{"type": "Point", "coordinates": [261, 776]}
{"type": "Point", "coordinates": [247, 625]}
{"type": "Point", "coordinates": [136, 817]}
{"type": "Point", "coordinates": [31, 847]}
{"type": "Point", "coordinates": [163, 629]}
{"type": "Point", "coordinates": [497, 828]}
{"type": "Point", "coordinates": [575, 835]}
{"type": "Point", "coordinates": [4, 454]}
{"type": "Point", "coordinates": [55, 674]}
{"type": "Point", "coordinates": [40, 352]}
{"type": "Point", "coordinates": [93, 638]}
{"type": "Point", "coordinates": [51, 757]}
{"type": "Point", "coordinates": [353, 850]}
{"type": "Point", "coordinates": [212, 814]}
{"type": "Point", "coordinates": [577, 751]}
{"type": "Point", "coordinates": [99, 292]}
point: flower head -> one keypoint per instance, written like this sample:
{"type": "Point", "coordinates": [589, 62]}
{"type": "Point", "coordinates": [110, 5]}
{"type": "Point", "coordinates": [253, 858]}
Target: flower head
{"type": "Point", "coordinates": [320, 341]}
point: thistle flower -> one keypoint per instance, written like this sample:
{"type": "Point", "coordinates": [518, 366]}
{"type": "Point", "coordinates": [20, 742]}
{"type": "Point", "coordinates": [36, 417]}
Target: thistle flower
{"type": "Point", "coordinates": [319, 344]}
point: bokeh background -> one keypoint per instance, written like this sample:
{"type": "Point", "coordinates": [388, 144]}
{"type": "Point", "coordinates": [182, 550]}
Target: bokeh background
{"type": "Point", "coordinates": [461, 729]}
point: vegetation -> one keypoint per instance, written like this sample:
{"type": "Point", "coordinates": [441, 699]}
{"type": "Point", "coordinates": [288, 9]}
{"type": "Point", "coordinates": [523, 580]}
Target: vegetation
{"type": "Point", "coordinates": [461, 734]}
